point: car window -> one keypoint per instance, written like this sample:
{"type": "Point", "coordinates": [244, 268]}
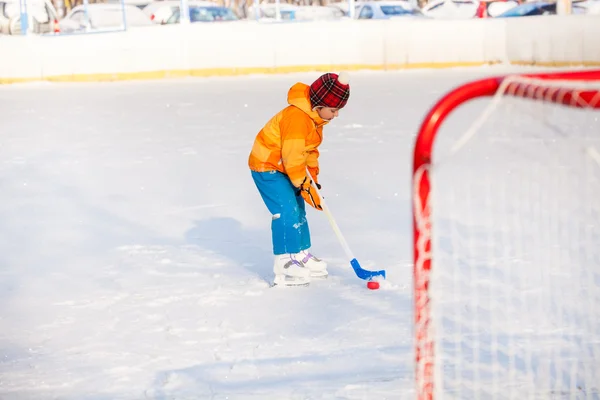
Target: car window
{"type": "Point", "coordinates": [438, 5]}
{"type": "Point", "coordinates": [287, 14]}
{"type": "Point", "coordinates": [270, 12]}
{"type": "Point", "coordinates": [548, 9]}
{"type": "Point", "coordinates": [209, 14]}
{"type": "Point", "coordinates": [366, 13]}
{"type": "Point", "coordinates": [394, 10]}
{"type": "Point", "coordinates": [174, 18]}
{"type": "Point", "coordinates": [521, 10]}
{"type": "Point", "coordinates": [78, 16]}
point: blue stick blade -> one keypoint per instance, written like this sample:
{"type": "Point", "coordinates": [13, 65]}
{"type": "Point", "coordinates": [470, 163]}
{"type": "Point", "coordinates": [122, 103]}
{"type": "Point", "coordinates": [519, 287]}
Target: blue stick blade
{"type": "Point", "coordinates": [363, 273]}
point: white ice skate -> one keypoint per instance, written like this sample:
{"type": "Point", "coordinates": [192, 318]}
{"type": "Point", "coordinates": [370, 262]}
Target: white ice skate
{"type": "Point", "coordinates": [317, 267]}
{"type": "Point", "coordinates": [290, 271]}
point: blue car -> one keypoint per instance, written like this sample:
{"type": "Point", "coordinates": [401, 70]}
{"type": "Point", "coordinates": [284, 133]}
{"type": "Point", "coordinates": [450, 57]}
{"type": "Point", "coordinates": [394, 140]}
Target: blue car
{"type": "Point", "coordinates": [386, 10]}
{"type": "Point", "coordinates": [204, 14]}
{"type": "Point", "coordinates": [535, 8]}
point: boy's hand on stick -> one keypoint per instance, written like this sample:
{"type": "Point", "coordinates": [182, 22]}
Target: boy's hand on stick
{"type": "Point", "coordinates": [309, 194]}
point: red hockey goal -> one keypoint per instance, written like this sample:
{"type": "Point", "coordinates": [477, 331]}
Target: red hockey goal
{"type": "Point", "coordinates": [506, 221]}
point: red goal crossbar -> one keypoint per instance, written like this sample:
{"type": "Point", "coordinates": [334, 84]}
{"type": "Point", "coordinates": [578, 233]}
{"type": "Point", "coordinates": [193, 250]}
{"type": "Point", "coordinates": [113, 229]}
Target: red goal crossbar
{"type": "Point", "coordinates": [529, 86]}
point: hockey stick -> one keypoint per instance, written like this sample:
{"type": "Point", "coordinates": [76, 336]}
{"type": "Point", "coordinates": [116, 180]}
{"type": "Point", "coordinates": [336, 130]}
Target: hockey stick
{"type": "Point", "coordinates": [358, 270]}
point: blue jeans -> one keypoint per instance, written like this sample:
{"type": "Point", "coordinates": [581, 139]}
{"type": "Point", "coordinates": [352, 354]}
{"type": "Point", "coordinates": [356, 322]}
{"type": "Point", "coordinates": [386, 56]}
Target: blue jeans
{"type": "Point", "coordinates": [289, 227]}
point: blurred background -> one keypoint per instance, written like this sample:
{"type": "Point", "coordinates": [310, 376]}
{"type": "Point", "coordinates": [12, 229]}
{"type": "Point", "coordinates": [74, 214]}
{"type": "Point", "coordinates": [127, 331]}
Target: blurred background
{"type": "Point", "coordinates": [55, 17]}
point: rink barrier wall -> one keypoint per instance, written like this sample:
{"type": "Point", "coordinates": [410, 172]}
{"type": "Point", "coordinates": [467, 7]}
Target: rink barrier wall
{"type": "Point", "coordinates": [248, 47]}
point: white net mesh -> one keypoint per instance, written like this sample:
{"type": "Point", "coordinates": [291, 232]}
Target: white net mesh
{"type": "Point", "coordinates": [515, 235]}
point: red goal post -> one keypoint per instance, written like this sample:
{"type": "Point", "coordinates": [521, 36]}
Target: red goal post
{"type": "Point", "coordinates": [568, 89]}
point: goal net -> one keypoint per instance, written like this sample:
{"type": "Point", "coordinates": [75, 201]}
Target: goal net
{"type": "Point", "coordinates": [506, 213]}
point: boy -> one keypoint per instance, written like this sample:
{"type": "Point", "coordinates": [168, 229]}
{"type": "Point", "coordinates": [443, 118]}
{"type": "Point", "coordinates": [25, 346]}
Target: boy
{"type": "Point", "coordinates": [282, 152]}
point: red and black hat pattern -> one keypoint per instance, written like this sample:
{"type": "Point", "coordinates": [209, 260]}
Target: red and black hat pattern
{"type": "Point", "coordinates": [330, 90]}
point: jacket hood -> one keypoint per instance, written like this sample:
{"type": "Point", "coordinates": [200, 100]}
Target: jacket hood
{"type": "Point", "coordinates": [298, 96]}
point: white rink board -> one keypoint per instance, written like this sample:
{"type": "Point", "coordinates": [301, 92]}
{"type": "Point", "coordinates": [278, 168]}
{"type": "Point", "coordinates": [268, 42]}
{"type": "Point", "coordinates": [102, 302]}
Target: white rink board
{"type": "Point", "coordinates": [248, 47]}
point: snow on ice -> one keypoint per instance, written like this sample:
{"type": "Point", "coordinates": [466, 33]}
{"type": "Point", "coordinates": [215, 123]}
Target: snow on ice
{"type": "Point", "coordinates": [135, 250]}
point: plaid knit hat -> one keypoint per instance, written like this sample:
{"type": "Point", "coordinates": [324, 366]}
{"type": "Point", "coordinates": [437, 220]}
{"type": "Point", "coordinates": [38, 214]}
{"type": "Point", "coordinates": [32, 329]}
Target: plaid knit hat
{"type": "Point", "coordinates": [330, 90]}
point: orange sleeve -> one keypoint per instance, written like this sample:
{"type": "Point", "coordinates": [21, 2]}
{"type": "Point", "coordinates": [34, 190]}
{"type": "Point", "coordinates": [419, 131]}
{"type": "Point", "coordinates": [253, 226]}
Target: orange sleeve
{"type": "Point", "coordinates": [312, 162]}
{"type": "Point", "coordinates": [294, 130]}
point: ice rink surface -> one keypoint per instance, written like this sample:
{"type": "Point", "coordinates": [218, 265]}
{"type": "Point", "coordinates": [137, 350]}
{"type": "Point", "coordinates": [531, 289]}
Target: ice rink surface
{"type": "Point", "coordinates": [135, 251]}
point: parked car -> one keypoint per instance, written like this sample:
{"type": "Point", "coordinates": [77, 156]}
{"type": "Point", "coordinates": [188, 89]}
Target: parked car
{"type": "Point", "coordinates": [159, 12]}
{"type": "Point", "coordinates": [43, 17]}
{"type": "Point", "coordinates": [386, 9]}
{"type": "Point", "coordinates": [204, 14]}
{"type": "Point", "coordinates": [451, 9]}
{"type": "Point", "coordinates": [100, 17]}
{"type": "Point", "coordinates": [288, 12]}
{"type": "Point", "coordinates": [316, 13]}
{"type": "Point", "coordinates": [493, 8]}
{"type": "Point", "coordinates": [537, 8]}
{"type": "Point", "coordinates": [268, 11]}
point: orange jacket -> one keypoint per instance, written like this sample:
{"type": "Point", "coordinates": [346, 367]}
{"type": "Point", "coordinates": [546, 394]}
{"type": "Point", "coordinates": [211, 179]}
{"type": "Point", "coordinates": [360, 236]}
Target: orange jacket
{"type": "Point", "coordinates": [288, 142]}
